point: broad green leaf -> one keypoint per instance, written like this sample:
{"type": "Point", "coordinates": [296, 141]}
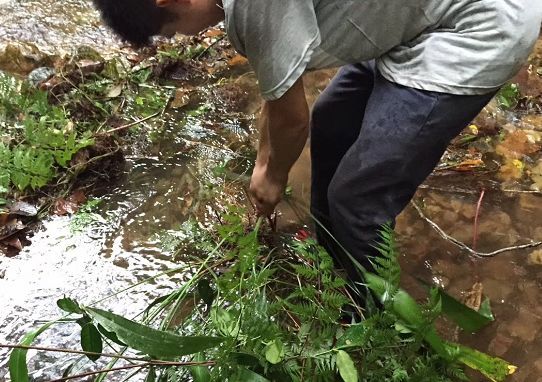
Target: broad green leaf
{"type": "Point", "coordinates": [274, 351]}
{"type": "Point", "coordinates": [18, 371]}
{"type": "Point", "coordinates": [409, 311]}
{"type": "Point", "coordinates": [224, 322]}
{"type": "Point", "coordinates": [91, 340]}
{"type": "Point", "coordinates": [346, 367]}
{"type": "Point", "coordinates": [200, 373]}
{"type": "Point", "coordinates": [153, 342]}
{"type": "Point", "coordinates": [110, 335]}
{"type": "Point", "coordinates": [246, 375]}
{"type": "Point", "coordinates": [496, 369]}
{"type": "Point", "coordinates": [69, 305]}
{"type": "Point", "coordinates": [465, 317]}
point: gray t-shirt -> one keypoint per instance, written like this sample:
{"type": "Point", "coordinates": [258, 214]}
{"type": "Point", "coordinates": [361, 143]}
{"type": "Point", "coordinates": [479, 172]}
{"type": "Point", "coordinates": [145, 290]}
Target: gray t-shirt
{"type": "Point", "coordinates": [452, 46]}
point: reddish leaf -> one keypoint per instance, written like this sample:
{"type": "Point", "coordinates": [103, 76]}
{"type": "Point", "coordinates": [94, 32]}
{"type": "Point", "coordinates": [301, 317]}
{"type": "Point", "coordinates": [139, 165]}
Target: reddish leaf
{"type": "Point", "coordinates": [14, 242]}
{"type": "Point", "coordinates": [64, 207]}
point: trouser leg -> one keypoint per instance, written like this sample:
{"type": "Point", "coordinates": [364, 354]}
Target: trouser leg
{"type": "Point", "coordinates": [403, 136]}
{"type": "Point", "coordinates": [336, 121]}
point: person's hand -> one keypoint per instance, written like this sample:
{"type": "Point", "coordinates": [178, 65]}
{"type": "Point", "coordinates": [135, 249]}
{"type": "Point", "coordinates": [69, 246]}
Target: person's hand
{"type": "Point", "coordinates": [266, 189]}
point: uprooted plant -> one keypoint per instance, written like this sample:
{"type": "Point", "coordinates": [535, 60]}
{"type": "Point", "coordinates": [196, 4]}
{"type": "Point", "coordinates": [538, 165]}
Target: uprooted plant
{"type": "Point", "coordinates": [256, 312]}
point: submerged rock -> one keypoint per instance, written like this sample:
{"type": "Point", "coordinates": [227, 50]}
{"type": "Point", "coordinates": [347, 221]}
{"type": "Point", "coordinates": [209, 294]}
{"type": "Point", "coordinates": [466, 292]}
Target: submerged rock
{"type": "Point", "coordinates": [39, 75]}
{"type": "Point", "coordinates": [22, 58]}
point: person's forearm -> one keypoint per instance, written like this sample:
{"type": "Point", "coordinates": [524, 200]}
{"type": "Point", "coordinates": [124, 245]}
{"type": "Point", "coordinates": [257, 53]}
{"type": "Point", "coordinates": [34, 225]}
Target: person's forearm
{"type": "Point", "coordinates": [284, 137]}
{"type": "Point", "coordinates": [263, 143]}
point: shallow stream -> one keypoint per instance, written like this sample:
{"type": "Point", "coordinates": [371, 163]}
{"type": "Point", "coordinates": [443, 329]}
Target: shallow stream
{"type": "Point", "coordinates": [158, 191]}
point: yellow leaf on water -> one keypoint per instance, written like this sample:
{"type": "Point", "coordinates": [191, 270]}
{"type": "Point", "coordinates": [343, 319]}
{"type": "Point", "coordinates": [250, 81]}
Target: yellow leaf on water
{"type": "Point", "coordinates": [473, 129]}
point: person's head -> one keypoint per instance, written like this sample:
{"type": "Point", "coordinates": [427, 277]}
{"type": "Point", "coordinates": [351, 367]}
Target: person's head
{"type": "Point", "coordinates": [138, 20]}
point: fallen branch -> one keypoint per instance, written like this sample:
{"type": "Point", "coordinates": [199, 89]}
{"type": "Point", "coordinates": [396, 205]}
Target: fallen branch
{"type": "Point", "coordinates": [91, 373]}
{"type": "Point", "coordinates": [534, 192]}
{"type": "Point", "coordinates": [447, 189]}
{"type": "Point", "coordinates": [127, 126]}
{"type": "Point", "coordinates": [476, 219]}
{"type": "Point", "coordinates": [465, 247]}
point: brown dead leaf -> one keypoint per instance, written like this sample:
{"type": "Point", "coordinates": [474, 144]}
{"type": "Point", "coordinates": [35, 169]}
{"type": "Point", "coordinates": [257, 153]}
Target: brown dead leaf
{"type": "Point", "coordinates": [517, 144]}
{"type": "Point", "coordinates": [237, 60]}
{"type": "Point", "coordinates": [64, 207]}
{"type": "Point", "coordinates": [14, 242]}
{"type": "Point", "coordinates": [78, 197]}
{"type": "Point", "coordinates": [469, 165]}
{"type": "Point", "coordinates": [214, 33]}
{"type": "Point", "coordinates": [473, 297]}
{"type": "Point", "coordinates": [181, 98]}
{"type": "Point", "coordinates": [70, 205]}
{"type": "Point", "coordinates": [4, 216]}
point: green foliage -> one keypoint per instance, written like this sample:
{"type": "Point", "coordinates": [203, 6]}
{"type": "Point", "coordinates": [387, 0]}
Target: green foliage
{"type": "Point", "coordinates": [256, 314]}
{"type": "Point", "coordinates": [36, 138]}
{"type": "Point", "coordinates": [87, 217]}
{"type": "Point", "coordinates": [508, 97]}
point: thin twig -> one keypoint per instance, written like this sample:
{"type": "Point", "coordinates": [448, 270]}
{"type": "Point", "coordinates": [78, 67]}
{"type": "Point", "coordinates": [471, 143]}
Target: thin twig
{"type": "Point", "coordinates": [476, 216]}
{"type": "Point", "coordinates": [465, 247]}
{"type": "Point", "coordinates": [70, 351]}
{"type": "Point", "coordinates": [91, 373]}
{"type": "Point", "coordinates": [447, 189]}
{"type": "Point", "coordinates": [123, 127]}
{"type": "Point", "coordinates": [534, 192]}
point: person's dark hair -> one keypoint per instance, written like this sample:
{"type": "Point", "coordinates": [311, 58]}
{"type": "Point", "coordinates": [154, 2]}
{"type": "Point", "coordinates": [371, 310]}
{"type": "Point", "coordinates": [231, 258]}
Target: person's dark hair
{"type": "Point", "coordinates": [134, 20]}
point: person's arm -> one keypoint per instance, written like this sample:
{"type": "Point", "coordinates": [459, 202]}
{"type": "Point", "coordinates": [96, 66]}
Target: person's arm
{"type": "Point", "coordinates": [284, 128]}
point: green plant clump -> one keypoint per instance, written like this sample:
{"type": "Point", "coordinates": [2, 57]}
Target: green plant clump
{"type": "Point", "coordinates": [36, 137]}
{"type": "Point", "coordinates": [255, 313]}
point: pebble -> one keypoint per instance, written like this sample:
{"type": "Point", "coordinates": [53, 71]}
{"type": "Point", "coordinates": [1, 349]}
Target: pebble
{"type": "Point", "coordinates": [535, 257]}
{"type": "Point", "coordinates": [121, 262]}
{"type": "Point", "coordinates": [525, 326]}
{"type": "Point", "coordinates": [500, 345]}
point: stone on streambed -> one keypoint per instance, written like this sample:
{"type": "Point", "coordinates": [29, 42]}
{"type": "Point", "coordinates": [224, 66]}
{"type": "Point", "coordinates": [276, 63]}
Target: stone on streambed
{"type": "Point", "coordinates": [40, 75]}
{"type": "Point", "coordinates": [525, 326]}
{"type": "Point", "coordinates": [535, 257]}
{"type": "Point", "coordinates": [22, 58]}
{"type": "Point", "coordinates": [500, 345]}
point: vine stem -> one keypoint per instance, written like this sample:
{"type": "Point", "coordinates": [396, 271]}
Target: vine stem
{"type": "Point", "coordinates": [465, 247]}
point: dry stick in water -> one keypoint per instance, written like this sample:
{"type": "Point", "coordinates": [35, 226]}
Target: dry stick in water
{"type": "Point", "coordinates": [123, 127]}
{"type": "Point", "coordinates": [476, 216]}
{"type": "Point", "coordinates": [465, 247]}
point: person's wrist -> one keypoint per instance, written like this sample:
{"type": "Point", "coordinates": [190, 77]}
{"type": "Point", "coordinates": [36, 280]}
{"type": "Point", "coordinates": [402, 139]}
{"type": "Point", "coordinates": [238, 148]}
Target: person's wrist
{"type": "Point", "coordinates": [276, 175]}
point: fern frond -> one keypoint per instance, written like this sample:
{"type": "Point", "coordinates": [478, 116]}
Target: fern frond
{"type": "Point", "coordinates": [387, 264]}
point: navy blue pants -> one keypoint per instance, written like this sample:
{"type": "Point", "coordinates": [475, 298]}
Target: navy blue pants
{"type": "Point", "coordinates": [373, 142]}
